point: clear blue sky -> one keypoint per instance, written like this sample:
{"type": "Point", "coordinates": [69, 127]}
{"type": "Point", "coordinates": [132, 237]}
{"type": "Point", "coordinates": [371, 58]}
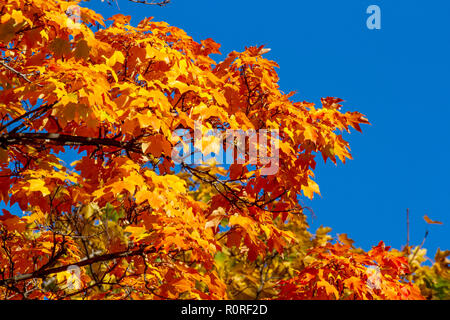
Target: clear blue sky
{"type": "Point", "coordinates": [397, 76]}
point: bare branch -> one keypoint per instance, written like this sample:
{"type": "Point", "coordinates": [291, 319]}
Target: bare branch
{"type": "Point", "coordinates": [23, 76]}
{"type": "Point", "coordinates": [106, 257]}
{"type": "Point", "coordinates": [27, 138]}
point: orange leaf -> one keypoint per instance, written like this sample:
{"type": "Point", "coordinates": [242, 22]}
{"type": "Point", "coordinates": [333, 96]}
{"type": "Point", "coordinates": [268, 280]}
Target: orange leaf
{"type": "Point", "coordinates": [429, 221]}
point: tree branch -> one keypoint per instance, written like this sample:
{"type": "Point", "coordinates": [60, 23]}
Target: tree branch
{"type": "Point", "coordinates": [106, 257]}
{"type": "Point", "coordinates": [63, 139]}
{"type": "Point", "coordinates": [16, 72]}
{"type": "Point", "coordinates": [25, 115]}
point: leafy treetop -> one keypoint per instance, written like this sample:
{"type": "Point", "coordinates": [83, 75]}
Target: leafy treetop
{"type": "Point", "coordinates": [134, 225]}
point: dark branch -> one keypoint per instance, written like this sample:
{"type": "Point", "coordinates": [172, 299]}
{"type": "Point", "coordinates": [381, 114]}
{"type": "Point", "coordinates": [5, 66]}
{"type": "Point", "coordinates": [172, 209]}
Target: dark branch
{"type": "Point", "coordinates": [27, 138]}
{"type": "Point", "coordinates": [106, 257]}
{"type": "Point", "coordinates": [23, 76]}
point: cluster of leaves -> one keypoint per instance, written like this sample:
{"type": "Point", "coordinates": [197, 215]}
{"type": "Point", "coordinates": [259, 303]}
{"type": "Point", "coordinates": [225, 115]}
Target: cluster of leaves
{"type": "Point", "coordinates": [260, 279]}
{"type": "Point", "coordinates": [433, 279]}
{"type": "Point", "coordinates": [133, 225]}
{"type": "Point", "coordinates": [341, 273]}
{"type": "Point", "coordinates": [315, 268]}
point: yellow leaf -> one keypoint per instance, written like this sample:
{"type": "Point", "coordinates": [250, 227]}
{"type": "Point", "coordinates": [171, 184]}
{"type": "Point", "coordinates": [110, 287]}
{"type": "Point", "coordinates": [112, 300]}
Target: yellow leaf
{"type": "Point", "coordinates": [328, 288]}
{"type": "Point", "coordinates": [137, 233]}
{"type": "Point", "coordinates": [310, 134]}
{"type": "Point", "coordinates": [17, 15]}
{"type": "Point", "coordinates": [38, 185]}
{"type": "Point", "coordinates": [310, 189]}
{"type": "Point", "coordinates": [44, 34]}
{"type": "Point", "coordinates": [116, 57]}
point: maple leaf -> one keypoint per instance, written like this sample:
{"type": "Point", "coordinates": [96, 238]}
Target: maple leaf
{"type": "Point", "coordinates": [82, 49]}
{"type": "Point", "coordinates": [346, 240]}
{"type": "Point", "coordinates": [60, 47]}
{"type": "Point", "coordinates": [429, 221]}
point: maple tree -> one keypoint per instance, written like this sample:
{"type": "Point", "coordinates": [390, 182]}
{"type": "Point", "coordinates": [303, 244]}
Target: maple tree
{"type": "Point", "coordinates": [124, 221]}
{"type": "Point", "coordinates": [433, 280]}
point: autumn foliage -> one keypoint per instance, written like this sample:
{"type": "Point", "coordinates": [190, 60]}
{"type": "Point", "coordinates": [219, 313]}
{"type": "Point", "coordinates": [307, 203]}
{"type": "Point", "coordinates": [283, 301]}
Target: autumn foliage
{"type": "Point", "coordinates": [135, 224]}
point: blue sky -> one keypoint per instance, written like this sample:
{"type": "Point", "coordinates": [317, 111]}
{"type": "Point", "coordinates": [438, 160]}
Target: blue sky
{"type": "Point", "coordinates": [397, 76]}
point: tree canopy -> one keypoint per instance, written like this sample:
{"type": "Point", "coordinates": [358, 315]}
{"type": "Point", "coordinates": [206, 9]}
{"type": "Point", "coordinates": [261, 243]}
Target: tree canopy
{"type": "Point", "coordinates": [126, 220]}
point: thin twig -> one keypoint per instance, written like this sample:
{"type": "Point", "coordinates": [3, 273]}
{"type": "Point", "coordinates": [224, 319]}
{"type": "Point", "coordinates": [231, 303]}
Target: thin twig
{"type": "Point", "coordinates": [23, 76]}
